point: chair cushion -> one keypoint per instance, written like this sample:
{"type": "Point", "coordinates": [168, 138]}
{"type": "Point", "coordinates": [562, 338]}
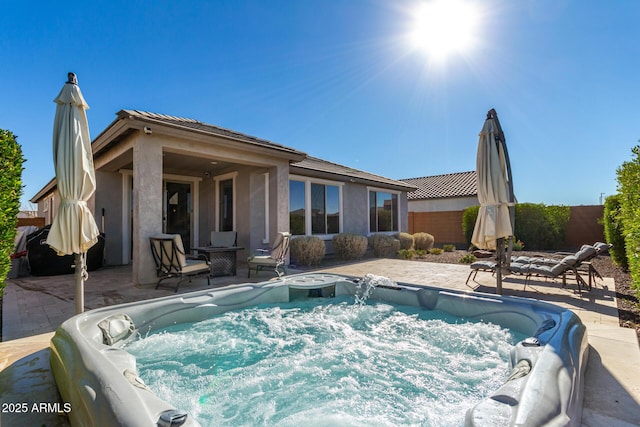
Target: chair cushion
{"type": "Point", "coordinates": [558, 269]}
{"type": "Point", "coordinates": [519, 267]}
{"type": "Point", "coordinates": [587, 252]}
{"type": "Point", "coordinates": [569, 260]}
{"type": "Point", "coordinates": [483, 265]}
{"type": "Point", "coordinates": [601, 247]}
{"type": "Point", "coordinates": [194, 266]}
{"type": "Point", "coordinates": [262, 260]}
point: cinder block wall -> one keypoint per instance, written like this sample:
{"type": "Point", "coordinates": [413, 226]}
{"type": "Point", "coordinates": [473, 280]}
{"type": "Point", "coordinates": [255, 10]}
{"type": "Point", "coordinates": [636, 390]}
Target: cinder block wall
{"type": "Point", "coordinates": [446, 227]}
{"type": "Point", "coordinates": [584, 226]}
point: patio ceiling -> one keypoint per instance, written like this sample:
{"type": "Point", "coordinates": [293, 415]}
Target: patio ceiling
{"type": "Point", "coordinates": [172, 163]}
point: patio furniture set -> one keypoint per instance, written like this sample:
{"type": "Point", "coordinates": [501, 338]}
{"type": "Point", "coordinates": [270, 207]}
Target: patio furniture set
{"type": "Point", "coordinates": [219, 258]}
{"type": "Point", "coordinates": [575, 264]}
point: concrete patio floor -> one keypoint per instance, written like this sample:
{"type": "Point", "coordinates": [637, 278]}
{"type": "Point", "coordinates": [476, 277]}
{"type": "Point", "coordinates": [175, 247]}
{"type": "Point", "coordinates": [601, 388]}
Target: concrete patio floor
{"type": "Point", "coordinates": [33, 307]}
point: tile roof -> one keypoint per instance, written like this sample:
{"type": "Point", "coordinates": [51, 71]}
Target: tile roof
{"type": "Point", "coordinates": [204, 128]}
{"type": "Point", "coordinates": [461, 184]}
{"type": "Point", "coordinates": [324, 166]}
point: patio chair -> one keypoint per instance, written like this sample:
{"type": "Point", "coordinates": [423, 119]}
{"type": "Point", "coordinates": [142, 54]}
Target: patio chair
{"type": "Point", "coordinates": [224, 239]}
{"type": "Point", "coordinates": [172, 261]}
{"type": "Point", "coordinates": [271, 258]}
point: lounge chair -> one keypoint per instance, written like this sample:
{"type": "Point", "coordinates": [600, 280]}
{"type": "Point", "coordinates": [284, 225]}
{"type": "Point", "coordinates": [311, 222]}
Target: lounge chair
{"type": "Point", "coordinates": [563, 267]}
{"type": "Point", "coordinates": [573, 263]}
{"type": "Point", "coordinates": [489, 266]}
{"type": "Point", "coordinates": [224, 239]}
{"type": "Point", "coordinates": [271, 258]}
{"type": "Point", "coordinates": [172, 261]}
{"type": "Point", "coordinates": [583, 264]}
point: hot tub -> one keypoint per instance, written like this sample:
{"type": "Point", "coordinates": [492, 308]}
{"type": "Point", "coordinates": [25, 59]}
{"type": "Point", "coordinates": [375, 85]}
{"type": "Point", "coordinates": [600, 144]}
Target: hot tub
{"type": "Point", "coordinates": [99, 378]}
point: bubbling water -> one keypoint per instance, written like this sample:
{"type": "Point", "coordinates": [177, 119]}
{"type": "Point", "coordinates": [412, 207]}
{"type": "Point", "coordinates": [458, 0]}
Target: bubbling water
{"type": "Point", "coordinates": [337, 364]}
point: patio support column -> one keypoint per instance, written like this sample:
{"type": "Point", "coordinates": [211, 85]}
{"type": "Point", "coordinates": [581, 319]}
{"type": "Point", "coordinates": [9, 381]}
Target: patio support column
{"type": "Point", "coordinates": [279, 194]}
{"type": "Point", "coordinates": [147, 206]}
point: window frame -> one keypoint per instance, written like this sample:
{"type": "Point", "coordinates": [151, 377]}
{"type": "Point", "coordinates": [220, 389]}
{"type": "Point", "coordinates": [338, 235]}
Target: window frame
{"type": "Point", "coordinates": [398, 209]}
{"type": "Point", "coordinates": [308, 181]}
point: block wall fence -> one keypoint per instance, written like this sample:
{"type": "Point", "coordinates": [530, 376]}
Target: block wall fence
{"type": "Point", "coordinates": [584, 226]}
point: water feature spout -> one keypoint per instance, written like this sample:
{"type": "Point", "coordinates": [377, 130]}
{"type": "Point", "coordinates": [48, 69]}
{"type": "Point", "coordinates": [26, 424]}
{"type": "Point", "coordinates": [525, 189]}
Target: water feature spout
{"type": "Point", "coordinates": [368, 283]}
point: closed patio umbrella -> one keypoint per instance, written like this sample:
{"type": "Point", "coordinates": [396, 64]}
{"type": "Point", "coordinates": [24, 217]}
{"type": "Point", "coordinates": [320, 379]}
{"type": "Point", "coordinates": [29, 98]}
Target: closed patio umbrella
{"type": "Point", "coordinates": [73, 230]}
{"type": "Point", "coordinates": [495, 192]}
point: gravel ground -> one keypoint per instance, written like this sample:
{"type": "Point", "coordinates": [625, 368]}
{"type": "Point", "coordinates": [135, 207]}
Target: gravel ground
{"type": "Point", "coordinates": [627, 298]}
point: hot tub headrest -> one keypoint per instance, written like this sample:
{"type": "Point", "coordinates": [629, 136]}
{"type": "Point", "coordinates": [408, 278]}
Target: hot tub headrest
{"type": "Point", "coordinates": [116, 328]}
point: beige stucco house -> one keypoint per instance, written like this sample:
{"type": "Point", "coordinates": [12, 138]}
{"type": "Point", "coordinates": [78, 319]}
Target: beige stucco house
{"type": "Point", "coordinates": [158, 173]}
{"type": "Point", "coordinates": [439, 193]}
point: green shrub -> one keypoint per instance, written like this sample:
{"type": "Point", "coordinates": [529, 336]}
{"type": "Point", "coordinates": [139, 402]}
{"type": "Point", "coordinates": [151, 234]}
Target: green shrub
{"type": "Point", "coordinates": [384, 246]}
{"type": "Point", "coordinates": [11, 161]}
{"type": "Point", "coordinates": [469, 216]}
{"type": "Point", "coordinates": [628, 176]}
{"type": "Point", "coordinates": [350, 246]}
{"type": "Point", "coordinates": [518, 245]}
{"type": "Point", "coordinates": [542, 227]}
{"type": "Point", "coordinates": [448, 248]}
{"type": "Point", "coordinates": [612, 222]}
{"type": "Point", "coordinates": [421, 253]}
{"type": "Point", "coordinates": [406, 254]}
{"type": "Point", "coordinates": [308, 250]}
{"type": "Point", "coordinates": [436, 251]}
{"type": "Point", "coordinates": [467, 259]}
{"type": "Point", "coordinates": [406, 240]}
{"type": "Point", "coordinates": [423, 241]}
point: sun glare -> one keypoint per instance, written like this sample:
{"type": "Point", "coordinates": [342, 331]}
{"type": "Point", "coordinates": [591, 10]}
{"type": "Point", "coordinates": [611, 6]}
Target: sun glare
{"type": "Point", "coordinates": [444, 27]}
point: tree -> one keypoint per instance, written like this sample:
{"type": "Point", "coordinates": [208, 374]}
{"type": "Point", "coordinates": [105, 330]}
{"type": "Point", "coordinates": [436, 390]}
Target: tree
{"type": "Point", "coordinates": [11, 161]}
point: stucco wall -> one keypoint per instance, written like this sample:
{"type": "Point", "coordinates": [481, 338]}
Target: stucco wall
{"type": "Point", "coordinates": [356, 209]}
{"type": "Point", "coordinates": [440, 205]}
{"type": "Point", "coordinates": [108, 196]}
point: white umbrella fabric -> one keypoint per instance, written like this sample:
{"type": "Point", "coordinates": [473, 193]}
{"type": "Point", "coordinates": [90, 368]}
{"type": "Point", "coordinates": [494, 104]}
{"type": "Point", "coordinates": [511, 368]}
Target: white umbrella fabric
{"type": "Point", "coordinates": [495, 192]}
{"type": "Point", "coordinates": [73, 230]}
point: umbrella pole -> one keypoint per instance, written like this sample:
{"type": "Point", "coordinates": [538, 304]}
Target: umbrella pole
{"type": "Point", "coordinates": [79, 275]}
{"type": "Point", "coordinates": [499, 258]}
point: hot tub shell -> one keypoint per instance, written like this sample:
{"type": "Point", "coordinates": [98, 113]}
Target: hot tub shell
{"type": "Point", "coordinates": [99, 379]}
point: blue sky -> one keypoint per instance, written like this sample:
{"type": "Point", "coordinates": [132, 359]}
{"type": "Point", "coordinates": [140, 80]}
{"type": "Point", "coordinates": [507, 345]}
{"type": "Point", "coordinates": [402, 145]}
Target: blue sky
{"type": "Point", "coordinates": [341, 81]}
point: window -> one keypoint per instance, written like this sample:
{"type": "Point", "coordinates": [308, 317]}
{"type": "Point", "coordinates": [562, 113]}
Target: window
{"type": "Point", "coordinates": [225, 205]}
{"type": "Point", "coordinates": [325, 210]}
{"type": "Point", "coordinates": [383, 211]}
{"type": "Point", "coordinates": [296, 208]}
{"type": "Point", "coordinates": [225, 201]}
{"type": "Point", "coordinates": [314, 208]}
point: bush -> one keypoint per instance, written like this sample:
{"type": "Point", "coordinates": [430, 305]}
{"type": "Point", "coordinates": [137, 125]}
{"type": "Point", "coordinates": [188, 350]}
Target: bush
{"type": "Point", "coordinates": [423, 241]}
{"type": "Point", "coordinates": [469, 216]}
{"type": "Point", "coordinates": [518, 245]}
{"type": "Point", "coordinates": [628, 176]}
{"type": "Point", "coordinates": [384, 246]}
{"type": "Point", "coordinates": [435, 251]}
{"type": "Point", "coordinates": [11, 161]}
{"type": "Point", "coordinates": [406, 254]}
{"type": "Point", "coordinates": [308, 250]}
{"type": "Point", "coordinates": [349, 246]}
{"type": "Point", "coordinates": [612, 222]}
{"type": "Point", "coordinates": [467, 259]}
{"type": "Point", "coordinates": [406, 240]}
{"type": "Point", "coordinates": [448, 248]}
{"type": "Point", "coordinates": [542, 227]}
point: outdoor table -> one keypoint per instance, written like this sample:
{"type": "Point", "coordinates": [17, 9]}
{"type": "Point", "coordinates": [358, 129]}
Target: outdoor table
{"type": "Point", "coordinates": [223, 259]}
